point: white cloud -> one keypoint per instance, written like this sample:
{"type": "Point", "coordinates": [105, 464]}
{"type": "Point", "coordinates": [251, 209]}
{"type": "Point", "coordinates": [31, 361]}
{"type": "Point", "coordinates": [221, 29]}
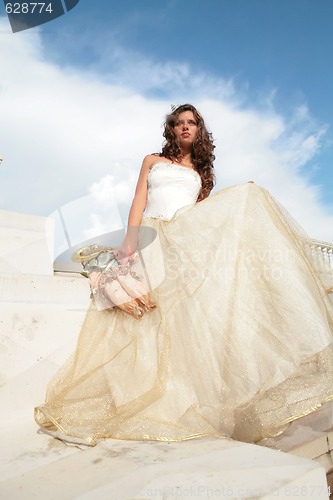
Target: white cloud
{"type": "Point", "coordinates": [125, 67]}
{"type": "Point", "coordinates": [66, 133]}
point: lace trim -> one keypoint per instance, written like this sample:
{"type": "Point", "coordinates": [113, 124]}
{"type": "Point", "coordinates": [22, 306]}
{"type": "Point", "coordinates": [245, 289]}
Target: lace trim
{"type": "Point", "coordinates": [174, 165]}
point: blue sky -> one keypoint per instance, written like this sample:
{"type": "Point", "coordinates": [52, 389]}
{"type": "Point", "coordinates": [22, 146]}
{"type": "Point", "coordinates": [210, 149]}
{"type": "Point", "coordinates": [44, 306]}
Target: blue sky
{"type": "Point", "coordinates": [257, 68]}
{"type": "Point", "coordinates": [260, 44]}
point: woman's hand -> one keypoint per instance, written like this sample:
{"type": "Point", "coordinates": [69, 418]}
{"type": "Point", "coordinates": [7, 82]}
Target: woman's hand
{"type": "Point", "coordinates": [122, 253]}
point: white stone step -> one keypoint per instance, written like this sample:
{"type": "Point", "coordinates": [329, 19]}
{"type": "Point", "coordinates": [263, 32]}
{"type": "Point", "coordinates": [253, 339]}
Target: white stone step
{"type": "Point", "coordinates": [309, 437]}
{"type": "Point", "coordinates": [60, 288]}
{"type": "Point", "coordinates": [26, 243]}
{"type": "Point", "coordinates": [204, 468]}
{"type": "Point", "coordinates": [40, 319]}
{"type": "Point", "coordinates": [39, 315]}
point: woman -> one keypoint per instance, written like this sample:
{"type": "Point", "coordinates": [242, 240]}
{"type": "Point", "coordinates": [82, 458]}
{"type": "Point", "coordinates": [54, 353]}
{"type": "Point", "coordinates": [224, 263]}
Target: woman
{"type": "Point", "coordinates": [188, 144]}
{"type": "Point", "coordinates": [240, 343]}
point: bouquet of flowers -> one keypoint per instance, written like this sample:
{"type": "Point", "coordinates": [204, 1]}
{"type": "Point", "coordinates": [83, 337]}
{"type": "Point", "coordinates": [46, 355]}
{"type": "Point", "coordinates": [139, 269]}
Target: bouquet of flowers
{"type": "Point", "coordinates": [113, 284]}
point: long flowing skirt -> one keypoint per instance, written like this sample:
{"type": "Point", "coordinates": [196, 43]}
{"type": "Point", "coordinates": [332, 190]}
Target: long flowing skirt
{"type": "Point", "coordinates": [239, 345]}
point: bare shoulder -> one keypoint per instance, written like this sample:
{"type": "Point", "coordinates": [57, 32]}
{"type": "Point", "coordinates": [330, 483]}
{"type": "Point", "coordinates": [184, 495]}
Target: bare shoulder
{"type": "Point", "coordinates": [149, 161]}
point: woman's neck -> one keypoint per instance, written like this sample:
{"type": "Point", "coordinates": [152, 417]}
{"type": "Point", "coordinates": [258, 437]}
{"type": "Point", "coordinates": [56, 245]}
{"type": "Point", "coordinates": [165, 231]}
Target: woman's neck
{"type": "Point", "coordinates": [186, 155]}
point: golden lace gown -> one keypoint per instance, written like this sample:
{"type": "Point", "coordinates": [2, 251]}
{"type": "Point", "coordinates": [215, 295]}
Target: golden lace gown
{"type": "Point", "coordinates": [239, 345]}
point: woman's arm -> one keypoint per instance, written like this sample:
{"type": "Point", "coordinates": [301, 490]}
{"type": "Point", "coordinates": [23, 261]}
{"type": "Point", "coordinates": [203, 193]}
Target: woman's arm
{"type": "Point", "coordinates": [139, 202]}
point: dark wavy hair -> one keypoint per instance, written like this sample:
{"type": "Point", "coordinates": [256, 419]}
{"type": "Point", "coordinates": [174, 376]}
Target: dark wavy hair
{"type": "Point", "coordinates": [202, 148]}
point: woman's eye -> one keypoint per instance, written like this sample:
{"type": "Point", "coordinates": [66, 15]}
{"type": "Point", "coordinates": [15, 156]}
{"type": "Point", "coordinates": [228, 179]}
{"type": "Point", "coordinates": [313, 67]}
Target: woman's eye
{"type": "Point", "coordinates": [180, 124]}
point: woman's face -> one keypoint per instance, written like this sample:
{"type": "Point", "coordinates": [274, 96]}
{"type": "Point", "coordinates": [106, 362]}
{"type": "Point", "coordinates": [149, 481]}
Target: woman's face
{"type": "Point", "coordinates": [186, 128]}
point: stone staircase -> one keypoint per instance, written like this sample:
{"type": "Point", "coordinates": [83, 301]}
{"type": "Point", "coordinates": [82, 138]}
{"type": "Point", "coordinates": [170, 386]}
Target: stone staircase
{"type": "Point", "coordinates": [40, 317]}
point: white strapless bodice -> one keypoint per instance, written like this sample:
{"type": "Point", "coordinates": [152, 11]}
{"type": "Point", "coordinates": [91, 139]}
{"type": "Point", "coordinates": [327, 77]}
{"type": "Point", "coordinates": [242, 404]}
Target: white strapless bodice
{"type": "Point", "coordinates": [170, 187]}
